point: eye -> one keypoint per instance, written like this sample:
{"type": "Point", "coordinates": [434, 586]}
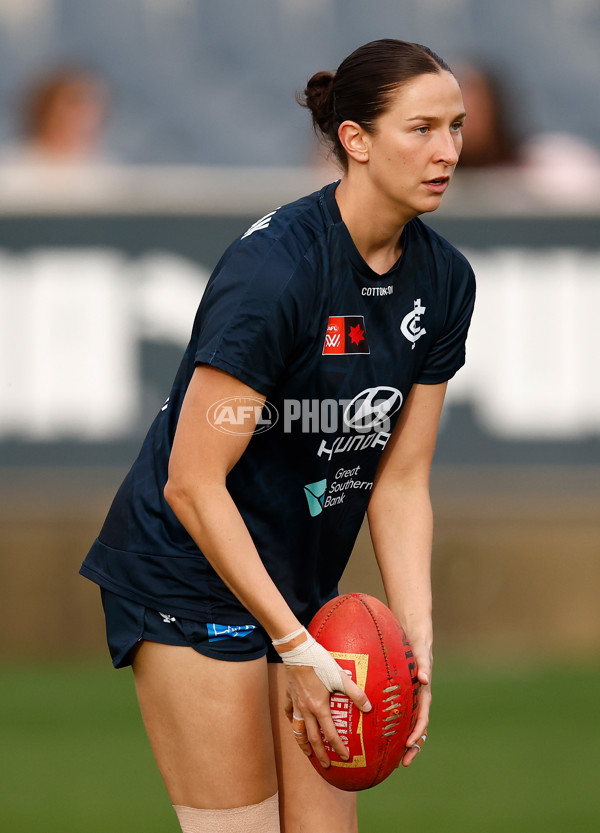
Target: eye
{"type": "Point", "coordinates": [458, 125]}
{"type": "Point", "coordinates": [423, 130]}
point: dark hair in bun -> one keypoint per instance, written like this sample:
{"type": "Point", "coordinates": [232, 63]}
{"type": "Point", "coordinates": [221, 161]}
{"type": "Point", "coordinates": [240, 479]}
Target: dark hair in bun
{"type": "Point", "coordinates": [361, 88]}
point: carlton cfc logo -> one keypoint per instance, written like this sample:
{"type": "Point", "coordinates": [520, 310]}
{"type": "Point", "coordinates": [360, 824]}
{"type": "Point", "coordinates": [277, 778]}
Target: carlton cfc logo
{"type": "Point", "coordinates": [411, 324]}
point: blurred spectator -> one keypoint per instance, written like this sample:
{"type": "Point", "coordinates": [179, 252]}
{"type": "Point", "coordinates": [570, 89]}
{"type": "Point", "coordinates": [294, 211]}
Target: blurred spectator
{"type": "Point", "coordinates": [490, 137]}
{"type": "Point", "coordinates": [63, 117]}
{"type": "Point", "coordinates": [556, 168]}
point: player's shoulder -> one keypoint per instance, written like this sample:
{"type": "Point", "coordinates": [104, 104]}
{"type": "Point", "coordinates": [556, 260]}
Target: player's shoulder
{"type": "Point", "coordinates": [272, 258]}
{"type": "Point", "coordinates": [289, 231]}
{"type": "Point", "coordinates": [440, 249]}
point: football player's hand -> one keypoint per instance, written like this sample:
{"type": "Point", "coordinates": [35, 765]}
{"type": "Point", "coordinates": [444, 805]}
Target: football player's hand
{"type": "Point", "coordinates": [309, 712]}
{"type": "Point", "coordinates": [312, 675]}
{"type": "Point", "coordinates": [418, 735]}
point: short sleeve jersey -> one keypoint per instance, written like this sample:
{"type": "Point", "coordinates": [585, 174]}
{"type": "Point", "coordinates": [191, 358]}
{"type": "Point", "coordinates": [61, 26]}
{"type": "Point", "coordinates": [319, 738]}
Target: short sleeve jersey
{"type": "Point", "coordinates": [293, 311]}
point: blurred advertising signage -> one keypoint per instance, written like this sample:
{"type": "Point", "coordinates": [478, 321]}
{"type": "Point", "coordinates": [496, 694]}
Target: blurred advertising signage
{"type": "Point", "coordinates": [72, 322]}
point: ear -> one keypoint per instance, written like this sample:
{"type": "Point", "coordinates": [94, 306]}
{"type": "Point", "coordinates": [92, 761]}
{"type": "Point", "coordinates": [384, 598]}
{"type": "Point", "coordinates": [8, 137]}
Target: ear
{"type": "Point", "coordinates": [354, 140]}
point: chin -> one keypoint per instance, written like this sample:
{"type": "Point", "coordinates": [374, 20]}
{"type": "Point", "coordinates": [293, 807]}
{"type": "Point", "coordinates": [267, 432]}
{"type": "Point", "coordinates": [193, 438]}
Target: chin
{"type": "Point", "coordinates": [431, 204]}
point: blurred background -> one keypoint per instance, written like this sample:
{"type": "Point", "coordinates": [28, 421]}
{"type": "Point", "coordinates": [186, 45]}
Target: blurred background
{"type": "Point", "coordinates": [137, 139]}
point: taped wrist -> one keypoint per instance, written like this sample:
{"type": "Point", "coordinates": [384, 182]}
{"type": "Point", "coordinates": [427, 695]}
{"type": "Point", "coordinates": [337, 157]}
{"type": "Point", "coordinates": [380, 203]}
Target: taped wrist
{"type": "Point", "coordinates": [312, 654]}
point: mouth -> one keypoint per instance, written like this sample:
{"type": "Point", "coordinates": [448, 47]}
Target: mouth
{"type": "Point", "coordinates": [437, 185]}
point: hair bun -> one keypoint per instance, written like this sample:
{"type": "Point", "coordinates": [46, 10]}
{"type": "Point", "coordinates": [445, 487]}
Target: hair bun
{"type": "Point", "coordinates": [318, 98]}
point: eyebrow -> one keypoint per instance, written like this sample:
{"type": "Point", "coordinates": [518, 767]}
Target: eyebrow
{"type": "Point", "coordinates": [435, 118]}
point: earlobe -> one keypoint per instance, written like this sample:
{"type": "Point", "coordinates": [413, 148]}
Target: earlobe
{"type": "Point", "coordinates": [354, 141]}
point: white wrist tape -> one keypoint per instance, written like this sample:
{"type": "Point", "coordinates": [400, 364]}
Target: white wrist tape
{"type": "Point", "coordinates": [315, 655]}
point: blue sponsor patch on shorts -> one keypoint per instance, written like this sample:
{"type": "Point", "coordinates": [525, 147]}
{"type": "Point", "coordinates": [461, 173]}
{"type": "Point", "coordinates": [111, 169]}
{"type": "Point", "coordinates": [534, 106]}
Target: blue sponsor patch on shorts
{"type": "Point", "coordinates": [218, 632]}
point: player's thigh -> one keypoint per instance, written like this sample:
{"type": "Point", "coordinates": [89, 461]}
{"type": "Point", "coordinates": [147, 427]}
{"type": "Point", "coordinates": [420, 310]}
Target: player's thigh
{"type": "Point", "coordinates": [209, 725]}
{"type": "Point", "coordinates": [307, 803]}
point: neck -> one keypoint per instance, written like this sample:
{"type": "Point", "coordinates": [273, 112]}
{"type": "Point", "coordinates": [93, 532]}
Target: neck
{"type": "Point", "coordinates": [376, 229]}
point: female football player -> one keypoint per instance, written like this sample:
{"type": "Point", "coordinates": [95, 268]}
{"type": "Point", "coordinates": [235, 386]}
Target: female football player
{"type": "Point", "coordinates": [310, 393]}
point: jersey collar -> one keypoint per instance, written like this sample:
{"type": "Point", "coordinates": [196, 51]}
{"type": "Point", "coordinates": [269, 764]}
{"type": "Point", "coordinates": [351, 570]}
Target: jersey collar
{"type": "Point", "coordinates": [358, 262]}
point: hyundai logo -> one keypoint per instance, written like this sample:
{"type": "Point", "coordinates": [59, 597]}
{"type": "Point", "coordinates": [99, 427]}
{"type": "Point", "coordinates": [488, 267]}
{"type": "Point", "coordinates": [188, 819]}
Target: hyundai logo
{"type": "Point", "coordinates": [372, 407]}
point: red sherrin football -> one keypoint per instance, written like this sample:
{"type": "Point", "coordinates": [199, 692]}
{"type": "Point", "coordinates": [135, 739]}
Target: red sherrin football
{"type": "Point", "coordinates": [369, 643]}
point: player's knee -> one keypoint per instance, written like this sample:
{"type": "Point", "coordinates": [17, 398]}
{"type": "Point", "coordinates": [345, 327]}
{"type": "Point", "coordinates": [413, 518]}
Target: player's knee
{"type": "Point", "coordinates": [254, 818]}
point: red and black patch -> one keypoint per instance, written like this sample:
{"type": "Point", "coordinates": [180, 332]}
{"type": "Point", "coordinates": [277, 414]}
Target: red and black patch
{"type": "Point", "coordinates": [345, 336]}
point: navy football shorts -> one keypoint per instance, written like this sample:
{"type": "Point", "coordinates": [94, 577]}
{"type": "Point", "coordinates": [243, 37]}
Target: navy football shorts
{"type": "Point", "coordinates": [128, 623]}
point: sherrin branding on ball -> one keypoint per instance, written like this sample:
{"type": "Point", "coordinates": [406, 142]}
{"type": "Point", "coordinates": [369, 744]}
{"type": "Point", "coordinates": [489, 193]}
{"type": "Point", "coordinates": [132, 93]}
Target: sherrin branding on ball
{"type": "Point", "coordinates": [368, 642]}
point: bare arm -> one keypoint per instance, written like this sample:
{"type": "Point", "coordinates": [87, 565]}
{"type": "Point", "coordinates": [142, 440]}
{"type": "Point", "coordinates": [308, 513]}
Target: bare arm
{"type": "Point", "coordinates": [196, 490]}
{"type": "Point", "coordinates": [401, 524]}
{"type": "Point", "coordinates": [201, 459]}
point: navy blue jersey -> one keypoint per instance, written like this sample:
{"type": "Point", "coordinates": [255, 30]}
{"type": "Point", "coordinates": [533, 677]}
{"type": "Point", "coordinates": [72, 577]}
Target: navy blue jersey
{"type": "Point", "coordinates": [293, 311]}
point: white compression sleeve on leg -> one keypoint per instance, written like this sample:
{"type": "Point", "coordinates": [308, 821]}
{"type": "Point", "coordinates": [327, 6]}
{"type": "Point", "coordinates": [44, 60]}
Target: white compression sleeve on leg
{"type": "Point", "coordinates": [311, 653]}
{"type": "Point", "coordinates": [255, 818]}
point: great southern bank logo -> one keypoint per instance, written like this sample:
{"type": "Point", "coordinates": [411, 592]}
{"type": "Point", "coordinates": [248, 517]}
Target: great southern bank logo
{"type": "Point", "coordinates": [322, 495]}
{"type": "Point", "coordinates": [315, 495]}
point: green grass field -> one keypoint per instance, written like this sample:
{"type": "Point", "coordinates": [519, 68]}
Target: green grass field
{"type": "Point", "coordinates": [509, 750]}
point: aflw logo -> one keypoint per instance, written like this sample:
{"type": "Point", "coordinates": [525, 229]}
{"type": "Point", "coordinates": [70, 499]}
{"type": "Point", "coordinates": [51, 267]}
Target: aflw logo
{"type": "Point", "coordinates": [259, 224]}
{"type": "Point", "coordinates": [333, 340]}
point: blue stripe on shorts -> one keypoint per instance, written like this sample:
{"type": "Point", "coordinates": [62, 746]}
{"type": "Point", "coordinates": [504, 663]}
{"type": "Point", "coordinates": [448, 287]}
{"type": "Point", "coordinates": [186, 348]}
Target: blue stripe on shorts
{"type": "Point", "coordinates": [128, 623]}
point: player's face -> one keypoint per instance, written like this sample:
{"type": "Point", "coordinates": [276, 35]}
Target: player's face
{"type": "Point", "coordinates": [416, 144]}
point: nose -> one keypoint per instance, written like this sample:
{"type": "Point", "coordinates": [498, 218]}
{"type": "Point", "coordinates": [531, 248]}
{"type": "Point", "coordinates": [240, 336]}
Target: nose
{"type": "Point", "coordinates": [448, 149]}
